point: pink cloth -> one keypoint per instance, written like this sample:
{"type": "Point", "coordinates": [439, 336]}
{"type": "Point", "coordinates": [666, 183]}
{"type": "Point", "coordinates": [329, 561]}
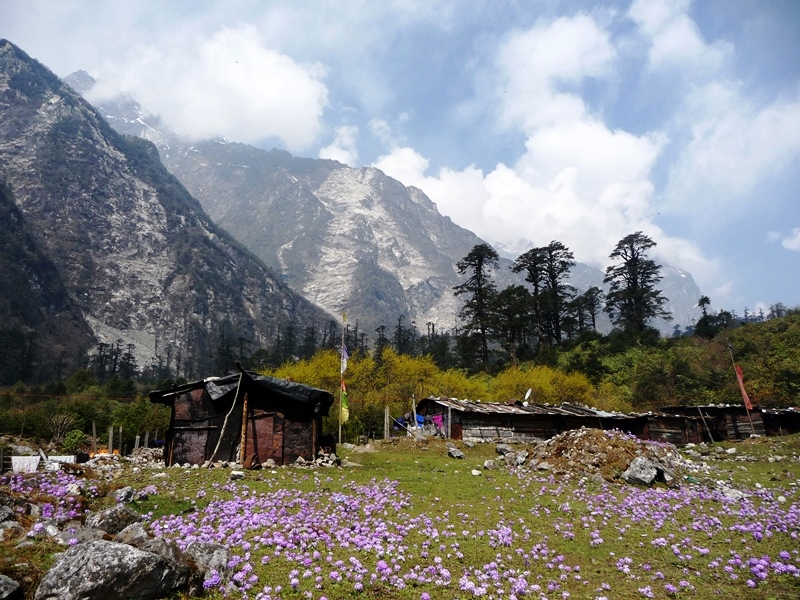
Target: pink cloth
{"type": "Point", "coordinates": [437, 420]}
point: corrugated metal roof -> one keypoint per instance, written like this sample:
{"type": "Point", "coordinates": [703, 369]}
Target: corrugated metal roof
{"type": "Point", "coordinates": [514, 409]}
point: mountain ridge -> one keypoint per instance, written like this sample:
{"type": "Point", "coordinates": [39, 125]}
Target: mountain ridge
{"type": "Point", "coordinates": [264, 196]}
{"type": "Point", "coordinates": [140, 258]}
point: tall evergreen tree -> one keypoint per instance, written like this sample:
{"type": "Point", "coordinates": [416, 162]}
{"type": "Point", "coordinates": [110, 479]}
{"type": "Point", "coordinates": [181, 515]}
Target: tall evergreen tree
{"type": "Point", "coordinates": [480, 291]}
{"type": "Point", "coordinates": [558, 294]}
{"type": "Point", "coordinates": [532, 263]}
{"type": "Point", "coordinates": [546, 269]}
{"type": "Point", "coordinates": [592, 303]}
{"type": "Point", "coordinates": [511, 316]}
{"type": "Point", "coordinates": [633, 299]}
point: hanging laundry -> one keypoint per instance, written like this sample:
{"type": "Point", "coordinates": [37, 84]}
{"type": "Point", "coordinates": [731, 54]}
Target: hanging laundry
{"type": "Point", "coordinates": [24, 464]}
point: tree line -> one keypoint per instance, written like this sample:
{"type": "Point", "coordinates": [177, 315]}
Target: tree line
{"type": "Point", "coordinates": [521, 321]}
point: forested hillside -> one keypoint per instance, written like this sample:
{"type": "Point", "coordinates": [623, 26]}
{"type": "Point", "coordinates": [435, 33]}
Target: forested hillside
{"type": "Point", "coordinates": [606, 372]}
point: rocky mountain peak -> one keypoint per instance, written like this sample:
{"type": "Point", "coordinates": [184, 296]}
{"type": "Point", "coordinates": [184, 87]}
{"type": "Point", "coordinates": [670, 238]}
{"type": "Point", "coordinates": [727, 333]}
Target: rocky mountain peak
{"type": "Point", "coordinates": [144, 264]}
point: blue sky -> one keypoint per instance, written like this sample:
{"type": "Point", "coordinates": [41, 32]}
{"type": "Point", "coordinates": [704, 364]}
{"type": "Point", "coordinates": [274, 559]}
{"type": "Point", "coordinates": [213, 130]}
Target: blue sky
{"type": "Point", "coordinates": [524, 121]}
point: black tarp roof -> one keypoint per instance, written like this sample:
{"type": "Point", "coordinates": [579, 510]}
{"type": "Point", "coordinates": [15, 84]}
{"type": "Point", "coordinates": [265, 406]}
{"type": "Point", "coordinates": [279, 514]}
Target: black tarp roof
{"type": "Point", "coordinates": [279, 391]}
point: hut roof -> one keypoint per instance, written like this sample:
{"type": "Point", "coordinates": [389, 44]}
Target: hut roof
{"type": "Point", "coordinates": [519, 409]}
{"type": "Point", "coordinates": [279, 391]}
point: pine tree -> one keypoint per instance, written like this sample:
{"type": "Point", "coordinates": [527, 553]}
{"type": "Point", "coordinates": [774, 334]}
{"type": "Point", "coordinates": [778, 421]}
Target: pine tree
{"type": "Point", "coordinates": [481, 290]}
{"type": "Point", "coordinates": [633, 299]}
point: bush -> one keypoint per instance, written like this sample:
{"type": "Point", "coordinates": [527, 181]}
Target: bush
{"type": "Point", "coordinates": [74, 441]}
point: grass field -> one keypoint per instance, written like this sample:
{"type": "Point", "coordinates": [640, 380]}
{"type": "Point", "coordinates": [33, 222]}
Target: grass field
{"type": "Point", "coordinates": [411, 523]}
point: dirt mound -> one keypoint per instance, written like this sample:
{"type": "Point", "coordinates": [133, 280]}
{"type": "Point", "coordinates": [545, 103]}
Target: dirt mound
{"type": "Point", "coordinates": [607, 453]}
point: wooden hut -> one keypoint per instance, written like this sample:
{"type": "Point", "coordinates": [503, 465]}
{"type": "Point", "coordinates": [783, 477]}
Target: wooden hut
{"type": "Point", "coordinates": [518, 422]}
{"type": "Point", "coordinates": [244, 417]}
{"type": "Point", "coordinates": [726, 422]}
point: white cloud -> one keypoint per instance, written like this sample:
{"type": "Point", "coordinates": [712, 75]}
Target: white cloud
{"type": "Point", "coordinates": [228, 84]}
{"type": "Point", "coordinates": [674, 38]}
{"type": "Point", "coordinates": [792, 241]}
{"type": "Point", "coordinates": [577, 181]}
{"type": "Point", "coordinates": [533, 66]}
{"type": "Point", "coordinates": [343, 147]}
{"type": "Point", "coordinates": [734, 146]}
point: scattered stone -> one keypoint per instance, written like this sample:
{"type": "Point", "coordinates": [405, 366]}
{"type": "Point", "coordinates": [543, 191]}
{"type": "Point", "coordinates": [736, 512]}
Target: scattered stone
{"type": "Point", "coordinates": [9, 589]}
{"type": "Point", "coordinates": [503, 449]}
{"type": "Point", "coordinates": [640, 472]}
{"type": "Point", "coordinates": [730, 451]}
{"type": "Point", "coordinates": [112, 520]}
{"type": "Point", "coordinates": [133, 535]}
{"type": "Point", "coordinates": [7, 514]}
{"type": "Point", "coordinates": [124, 495]}
{"type": "Point", "coordinates": [490, 465]}
{"type": "Point", "coordinates": [469, 443]}
{"type": "Point", "coordinates": [110, 571]}
{"type": "Point", "coordinates": [208, 558]}
{"type": "Point", "coordinates": [78, 535]}
{"type": "Point", "coordinates": [730, 493]}
{"type": "Point", "coordinates": [350, 463]}
{"type": "Point", "coordinates": [455, 453]}
{"type": "Point", "coordinates": [367, 448]}
{"type": "Point", "coordinates": [476, 472]}
{"type": "Point", "coordinates": [236, 475]}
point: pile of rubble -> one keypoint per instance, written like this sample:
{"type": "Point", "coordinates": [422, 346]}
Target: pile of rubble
{"type": "Point", "coordinates": [604, 455]}
{"type": "Point", "coordinates": [609, 453]}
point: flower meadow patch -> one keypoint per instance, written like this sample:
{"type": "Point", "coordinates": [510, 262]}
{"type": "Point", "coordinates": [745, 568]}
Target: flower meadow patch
{"type": "Point", "coordinates": [376, 540]}
{"type": "Point", "coordinates": [427, 529]}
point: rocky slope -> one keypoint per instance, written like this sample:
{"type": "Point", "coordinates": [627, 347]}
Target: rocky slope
{"type": "Point", "coordinates": [138, 256]}
{"type": "Point", "coordinates": [347, 239]}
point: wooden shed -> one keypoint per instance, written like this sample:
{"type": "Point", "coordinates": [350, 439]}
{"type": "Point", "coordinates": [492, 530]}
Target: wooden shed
{"type": "Point", "coordinates": [244, 417]}
{"type": "Point", "coordinates": [519, 422]}
{"type": "Point", "coordinates": [726, 422]}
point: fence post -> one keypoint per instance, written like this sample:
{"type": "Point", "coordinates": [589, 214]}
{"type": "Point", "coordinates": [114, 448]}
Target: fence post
{"type": "Point", "coordinates": [449, 423]}
{"type": "Point", "coordinates": [111, 439]}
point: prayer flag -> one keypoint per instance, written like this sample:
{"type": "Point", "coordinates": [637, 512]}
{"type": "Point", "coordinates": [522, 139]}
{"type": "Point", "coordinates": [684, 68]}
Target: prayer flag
{"type": "Point", "coordinates": [740, 376]}
{"type": "Point", "coordinates": [345, 356]}
{"type": "Point", "coordinates": [344, 406]}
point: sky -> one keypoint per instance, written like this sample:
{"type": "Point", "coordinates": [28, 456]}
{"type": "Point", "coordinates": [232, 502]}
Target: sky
{"type": "Point", "coordinates": [524, 121]}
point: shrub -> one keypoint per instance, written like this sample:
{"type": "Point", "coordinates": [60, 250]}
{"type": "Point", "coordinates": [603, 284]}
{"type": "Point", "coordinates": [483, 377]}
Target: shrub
{"type": "Point", "coordinates": [74, 441]}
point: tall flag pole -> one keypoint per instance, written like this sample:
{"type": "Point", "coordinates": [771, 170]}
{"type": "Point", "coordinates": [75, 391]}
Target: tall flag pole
{"type": "Point", "coordinates": [748, 406]}
{"type": "Point", "coordinates": [344, 407]}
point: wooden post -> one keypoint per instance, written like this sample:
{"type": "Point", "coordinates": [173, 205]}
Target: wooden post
{"type": "Point", "coordinates": [386, 422]}
{"type": "Point", "coordinates": [136, 443]}
{"type": "Point", "coordinates": [120, 440]}
{"type": "Point", "coordinates": [243, 441]}
{"type": "Point", "coordinates": [449, 423]}
{"type": "Point", "coordinates": [111, 439]}
{"type": "Point", "coordinates": [147, 439]}
{"type": "Point", "coordinates": [94, 437]}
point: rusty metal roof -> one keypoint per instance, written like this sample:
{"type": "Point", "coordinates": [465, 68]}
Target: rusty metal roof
{"type": "Point", "coordinates": [516, 409]}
